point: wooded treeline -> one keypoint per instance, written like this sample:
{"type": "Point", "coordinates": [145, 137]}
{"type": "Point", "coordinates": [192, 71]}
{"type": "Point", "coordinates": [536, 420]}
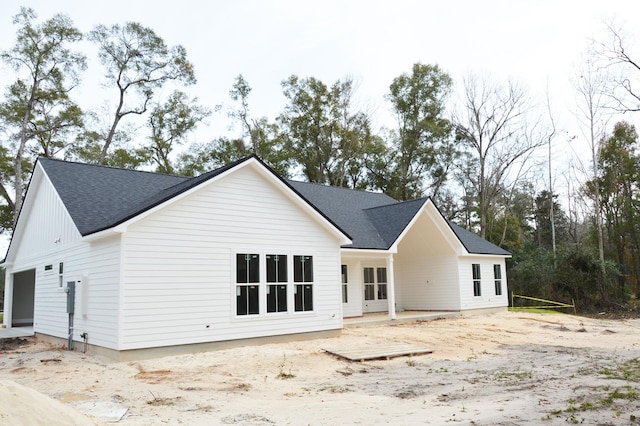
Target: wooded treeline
{"type": "Point", "coordinates": [485, 158]}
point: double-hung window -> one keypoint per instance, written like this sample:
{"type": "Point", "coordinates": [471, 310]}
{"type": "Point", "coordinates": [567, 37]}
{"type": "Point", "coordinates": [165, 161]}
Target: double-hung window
{"type": "Point", "coordinates": [345, 287]}
{"type": "Point", "coordinates": [247, 284]}
{"type": "Point", "coordinates": [61, 275]}
{"type": "Point", "coordinates": [276, 282]}
{"type": "Point", "coordinates": [497, 277]}
{"type": "Point", "coordinates": [303, 279]}
{"type": "Point", "coordinates": [477, 286]}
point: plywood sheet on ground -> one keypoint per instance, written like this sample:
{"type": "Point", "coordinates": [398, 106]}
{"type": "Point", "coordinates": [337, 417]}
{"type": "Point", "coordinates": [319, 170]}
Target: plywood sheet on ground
{"type": "Point", "coordinates": [386, 351]}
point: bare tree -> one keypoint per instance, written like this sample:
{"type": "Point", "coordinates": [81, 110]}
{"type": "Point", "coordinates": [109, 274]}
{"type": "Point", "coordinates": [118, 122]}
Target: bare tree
{"type": "Point", "coordinates": [549, 138]}
{"type": "Point", "coordinates": [623, 71]}
{"type": "Point", "coordinates": [494, 125]}
{"type": "Point", "coordinates": [592, 102]}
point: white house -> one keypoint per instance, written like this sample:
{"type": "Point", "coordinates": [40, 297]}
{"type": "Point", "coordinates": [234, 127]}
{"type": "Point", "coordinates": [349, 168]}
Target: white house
{"type": "Point", "coordinates": [132, 261]}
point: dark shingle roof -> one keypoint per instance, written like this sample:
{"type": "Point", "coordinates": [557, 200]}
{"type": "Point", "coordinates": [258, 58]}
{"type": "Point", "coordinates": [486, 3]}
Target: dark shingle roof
{"type": "Point", "coordinates": [475, 244]}
{"type": "Point", "coordinates": [392, 219]}
{"type": "Point", "coordinates": [376, 220]}
{"type": "Point", "coordinates": [99, 198]}
{"type": "Point", "coordinates": [347, 208]}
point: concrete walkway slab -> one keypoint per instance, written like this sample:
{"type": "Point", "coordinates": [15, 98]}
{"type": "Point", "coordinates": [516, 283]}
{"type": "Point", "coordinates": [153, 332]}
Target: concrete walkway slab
{"type": "Point", "coordinates": [8, 333]}
{"type": "Point", "coordinates": [382, 318]}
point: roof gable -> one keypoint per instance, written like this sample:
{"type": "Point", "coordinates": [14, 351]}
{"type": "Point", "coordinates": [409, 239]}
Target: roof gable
{"type": "Point", "coordinates": [376, 221]}
{"type": "Point", "coordinates": [99, 198]}
{"type": "Point", "coordinates": [391, 220]}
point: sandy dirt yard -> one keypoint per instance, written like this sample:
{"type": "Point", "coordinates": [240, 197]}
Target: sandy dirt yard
{"type": "Point", "coordinates": [498, 369]}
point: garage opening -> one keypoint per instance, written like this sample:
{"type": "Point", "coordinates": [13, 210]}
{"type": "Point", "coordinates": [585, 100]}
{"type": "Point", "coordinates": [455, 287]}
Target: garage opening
{"type": "Point", "coordinates": [24, 284]}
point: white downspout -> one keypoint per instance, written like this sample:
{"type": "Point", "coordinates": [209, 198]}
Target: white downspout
{"type": "Point", "coordinates": [8, 298]}
{"type": "Point", "coordinates": [391, 293]}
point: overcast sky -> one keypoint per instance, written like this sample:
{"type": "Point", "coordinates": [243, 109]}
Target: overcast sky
{"type": "Point", "coordinates": [536, 42]}
{"type": "Point", "coordinates": [372, 41]}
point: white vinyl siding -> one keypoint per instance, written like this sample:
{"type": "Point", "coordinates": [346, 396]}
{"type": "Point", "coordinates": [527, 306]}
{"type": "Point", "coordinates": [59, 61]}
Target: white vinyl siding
{"type": "Point", "coordinates": [488, 298]}
{"type": "Point", "coordinates": [427, 282]}
{"type": "Point", "coordinates": [49, 237]}
{"type": "Point", "coordinates": [180, 273]}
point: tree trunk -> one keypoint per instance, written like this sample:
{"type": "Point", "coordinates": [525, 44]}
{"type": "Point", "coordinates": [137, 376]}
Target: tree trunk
{"type": "Point", "coordinates": [17, 163]}
{"type": "Point", "coordinates": [112, 130]}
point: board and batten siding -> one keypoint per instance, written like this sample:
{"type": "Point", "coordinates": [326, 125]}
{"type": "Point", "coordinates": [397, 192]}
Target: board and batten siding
{"type": "Point", "coordinates": [46, 225]}
{"type": "Point", "coordinates": [426, 265]}
{"type": "Point", "coordinates": [488, 298]}
{"type": "Point", "coordinates": [179, 265]}
{"type": "Point", "coordinates": [427, 282]}
{"type": "Point", "coordinates": [49, 237]}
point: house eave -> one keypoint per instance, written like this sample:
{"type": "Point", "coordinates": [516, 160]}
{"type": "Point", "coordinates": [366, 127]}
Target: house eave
{"type": "Point", "coordinates": [351, 251]}
{"type": "Point", "coordinates": [468, 254]}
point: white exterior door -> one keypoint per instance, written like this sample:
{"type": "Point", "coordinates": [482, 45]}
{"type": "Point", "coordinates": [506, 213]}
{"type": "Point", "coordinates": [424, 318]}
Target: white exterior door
{"type": "Point", "coordinates": [375, 295]}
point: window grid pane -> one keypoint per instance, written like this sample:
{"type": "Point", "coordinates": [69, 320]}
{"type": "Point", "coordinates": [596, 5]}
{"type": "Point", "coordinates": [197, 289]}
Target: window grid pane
{"type": "Point", "coordinates": [247, 268]}
{"type": "Point", "coordinates": [303, 269]}
{"type": "Point", "coordinates": [277, 298]}
{"type": "Point", "coordinates": [303, 297]}
{"type": "Point", "coordinates": [368, 276]}
{"type": "Point", "coordinates": [497, 272]}
{"type": "Point", "coordinates": [247, 300]}
{"type": "Point", "coordinates": [382, 291]}
{"type": "Point", "coordinates": [369, 292]}
{"type": "Point", "coordinates": [476, 271]}
{"type": "Point", "coordinates": [382, 275]}
{"type": "Point", "coordinates": [276, 268]}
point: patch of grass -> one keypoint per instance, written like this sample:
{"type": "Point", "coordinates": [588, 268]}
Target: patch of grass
{"type": "Point", "coordinates": [628, 393]}
{"type": "Point", "coordinates": [1, 316]}
{"type": "Point", "coordinates": [536, 310]}
{"type": "Point", "coordinates": [334, 389]}
{"type": "Point", "coordinates": [512, 375]}
{"type": "Point", "coordinates": [283, 373]}
{"type": "Point", "coordinates": [607, 400]}
{"type": "Point", "coordinates": [628, 370]}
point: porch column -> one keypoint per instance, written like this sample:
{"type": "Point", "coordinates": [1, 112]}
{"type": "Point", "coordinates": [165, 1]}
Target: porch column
{"type": "Point", "coordinates": [8, 298]}
{"type": "Point", "coordinates": [391, 290]}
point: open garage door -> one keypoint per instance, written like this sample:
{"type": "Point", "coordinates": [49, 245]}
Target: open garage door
{"type": "Point", "coordinates": [24, 284]}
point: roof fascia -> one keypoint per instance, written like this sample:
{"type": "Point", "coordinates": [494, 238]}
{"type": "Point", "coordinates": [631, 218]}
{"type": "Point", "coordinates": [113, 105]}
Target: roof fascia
{"type": "Point", "coordinates": [505, 256]}
{"type": "Point", "coordinates": [355, 252]}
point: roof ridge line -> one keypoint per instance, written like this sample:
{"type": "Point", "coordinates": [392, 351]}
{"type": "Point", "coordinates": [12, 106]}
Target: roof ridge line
{"type": "Point", "coordinates": [103, 166]}
{"type": "Point", "coordinates": [397, 203]}
{"type": "Point", "coordinates": [339, 187]}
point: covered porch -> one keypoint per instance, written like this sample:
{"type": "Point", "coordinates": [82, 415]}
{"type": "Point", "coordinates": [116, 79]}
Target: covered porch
{"type": "Point", "coordinates": [382, 318]}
